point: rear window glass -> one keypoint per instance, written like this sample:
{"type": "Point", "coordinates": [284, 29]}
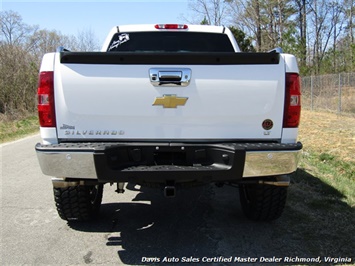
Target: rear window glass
{"type": "Point", "coordinates": [170, 42]}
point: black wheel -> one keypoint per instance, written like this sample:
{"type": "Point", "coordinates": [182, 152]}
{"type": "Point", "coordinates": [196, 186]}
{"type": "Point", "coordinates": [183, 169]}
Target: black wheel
{"type": "Point", "coordinates": [78, 203]}
{"type": "Point", "coordinates": [262, 202]}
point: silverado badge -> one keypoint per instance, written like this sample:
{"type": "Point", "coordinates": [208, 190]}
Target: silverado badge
{"type": "Point", "coordinates": [170, 101]}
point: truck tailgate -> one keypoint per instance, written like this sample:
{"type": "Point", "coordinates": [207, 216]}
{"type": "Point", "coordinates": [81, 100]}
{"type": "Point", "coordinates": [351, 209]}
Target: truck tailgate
{"type": "Point", "coordinates": [101, 96]}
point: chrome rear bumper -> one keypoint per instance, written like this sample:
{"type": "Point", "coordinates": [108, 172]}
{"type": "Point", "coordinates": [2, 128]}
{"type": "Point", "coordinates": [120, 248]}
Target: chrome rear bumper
{"type": "Point", "coordinates": [123, 162]}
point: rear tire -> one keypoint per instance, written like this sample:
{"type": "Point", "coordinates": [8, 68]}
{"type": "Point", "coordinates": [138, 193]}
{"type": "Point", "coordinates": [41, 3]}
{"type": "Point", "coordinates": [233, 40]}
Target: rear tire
{"type": "Point", "coordinates": [78, 203]}
{"type": "Point", "coordinates": [262, 202]}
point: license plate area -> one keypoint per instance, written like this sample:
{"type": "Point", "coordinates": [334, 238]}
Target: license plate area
{"type": "Point", "coordinates": [121, 158]}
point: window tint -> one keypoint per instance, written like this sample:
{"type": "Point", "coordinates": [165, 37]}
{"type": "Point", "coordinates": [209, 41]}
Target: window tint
{"type": "Point", "coordinates": [170, 42]}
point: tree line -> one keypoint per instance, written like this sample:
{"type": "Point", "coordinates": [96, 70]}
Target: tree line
{"type": "Point", "coordinates": [319, 32]}
{"type": "Point", "coordinates": [22, 47]}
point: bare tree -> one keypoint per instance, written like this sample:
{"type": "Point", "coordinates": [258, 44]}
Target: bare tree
{"type": "Point", "coordinates": [18, 80]}
{"type": "Point", "coordinates": [46, 41]}
{"type": "Point", "coordinates": [17, 66]}
{"type": "Point", "coordinates": [247, 16]}
{"type": "Point", "coordinates": [349, 10]}
{"type": "Point", "coordinates": [210, 12]}
{"type": "Point", "coordinates": [269, 22]}
{"type": "Point", "coordinates": [86, 40]}
{"type": "Point", "coordinates": [13, 30]}
{"type": "Point", "coordinates": [327, 22]}
{"type": "Point", "coordinates": [301, 6]}
{"type": "Point", "coordinates": [277, 22]}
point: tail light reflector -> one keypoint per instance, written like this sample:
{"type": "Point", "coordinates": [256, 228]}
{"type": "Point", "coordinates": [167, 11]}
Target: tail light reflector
{"type": "Point", "coordinates": [292, 111]}
{"type": "Point", "coordinates": [45, 93]}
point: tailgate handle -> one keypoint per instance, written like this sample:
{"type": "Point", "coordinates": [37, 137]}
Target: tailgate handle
{"type": "Point", "coordinates": [170, 77]}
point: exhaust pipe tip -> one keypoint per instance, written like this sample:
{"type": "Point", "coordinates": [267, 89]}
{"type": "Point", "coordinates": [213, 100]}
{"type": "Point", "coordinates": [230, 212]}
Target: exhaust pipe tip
{"type": "Point", "coordinates": [169, 192]}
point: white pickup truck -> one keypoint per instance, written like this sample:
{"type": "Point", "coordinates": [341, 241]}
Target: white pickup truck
{"type": "Point", "coordinates": [169, 106]}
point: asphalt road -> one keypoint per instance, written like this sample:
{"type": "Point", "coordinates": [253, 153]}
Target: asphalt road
{"type": "Point", "coordinates": [140, 226]}
{"type": "Point", "coordinates": [133, 226]}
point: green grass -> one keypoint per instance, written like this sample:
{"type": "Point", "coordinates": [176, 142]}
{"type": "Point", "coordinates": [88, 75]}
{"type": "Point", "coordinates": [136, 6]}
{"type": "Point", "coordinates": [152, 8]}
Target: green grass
{"type": "Point", "coordinates": [321, 205]}
{"type": "Point", "coordinates": [327, 168]}
{"type": "Point", "coordinates": [334, 173]}
{"type": "Point", "coordinates": [12, 130]}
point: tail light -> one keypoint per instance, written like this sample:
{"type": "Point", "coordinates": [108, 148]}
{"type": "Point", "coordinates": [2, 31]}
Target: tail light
{"type": "Point", "coordinates": [45, 93]}
{"type": "Point", "coordinates": [292, 111]}
{"type": "Point", "coordinates": [171, 26]}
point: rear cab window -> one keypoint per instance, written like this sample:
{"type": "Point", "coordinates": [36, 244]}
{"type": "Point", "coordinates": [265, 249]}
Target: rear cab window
{"type": "Point", "coordinates": [168, 41]}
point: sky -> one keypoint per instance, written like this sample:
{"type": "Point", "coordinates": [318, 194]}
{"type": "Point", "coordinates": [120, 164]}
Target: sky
{"type": "Point", "coordinates": [71, 17]}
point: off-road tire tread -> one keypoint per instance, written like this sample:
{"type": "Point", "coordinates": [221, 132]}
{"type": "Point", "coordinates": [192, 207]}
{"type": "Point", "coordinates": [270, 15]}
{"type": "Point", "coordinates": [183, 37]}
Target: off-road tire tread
{"type": "Point", "coordinates": [262, 202]}
{"type": "Point", "coordinates": [75, 204]}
